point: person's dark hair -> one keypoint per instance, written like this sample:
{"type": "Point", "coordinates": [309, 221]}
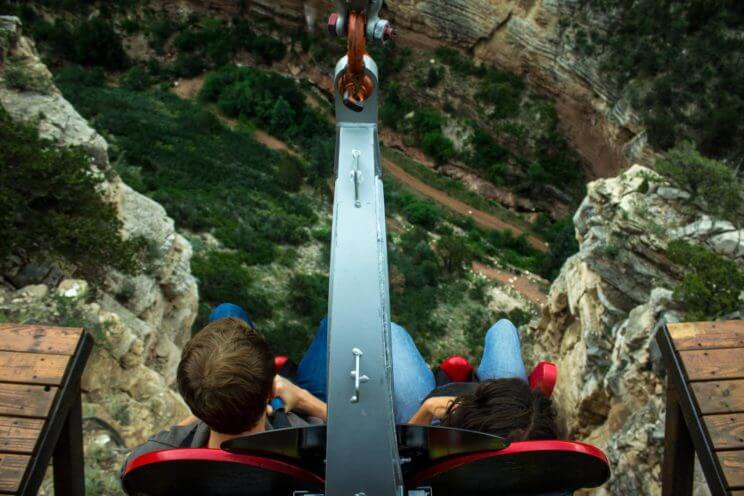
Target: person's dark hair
{"type": "Point", "coordinates": [226, 375]}
{"type": "Point", "coordinates": [506, 408]}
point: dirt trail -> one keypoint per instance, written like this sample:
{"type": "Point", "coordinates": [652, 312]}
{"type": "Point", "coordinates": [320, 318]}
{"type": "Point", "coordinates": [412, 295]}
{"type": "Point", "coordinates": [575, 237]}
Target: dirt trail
{"type": "Point", "coordinates": [479, 217]}
{"type": "Point", "coordinates": [522, 284]}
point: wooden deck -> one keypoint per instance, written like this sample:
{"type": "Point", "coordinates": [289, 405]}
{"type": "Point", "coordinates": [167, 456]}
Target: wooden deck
{"type": "Point", "coordinates": [705, 408]}
{"type": "Point", "coordinates": [40, 369]}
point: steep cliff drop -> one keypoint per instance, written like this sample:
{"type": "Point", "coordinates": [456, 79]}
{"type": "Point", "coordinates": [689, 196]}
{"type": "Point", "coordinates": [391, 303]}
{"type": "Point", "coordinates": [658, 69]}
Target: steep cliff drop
{"type": "Point", "coordinates": [139, 322]}
{"type": "Point", "coordinates": [598, 324]}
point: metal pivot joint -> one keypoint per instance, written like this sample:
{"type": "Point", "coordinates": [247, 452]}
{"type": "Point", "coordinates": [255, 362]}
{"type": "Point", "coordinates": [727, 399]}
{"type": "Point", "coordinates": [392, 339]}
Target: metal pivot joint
{"type": "Point", "coordinates": [359, 22]}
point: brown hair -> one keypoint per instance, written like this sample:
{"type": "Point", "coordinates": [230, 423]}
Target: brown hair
{"type": "Point", "coordinates": [226, 375]}
{"type": "Point", "coordinates": [506, 408]}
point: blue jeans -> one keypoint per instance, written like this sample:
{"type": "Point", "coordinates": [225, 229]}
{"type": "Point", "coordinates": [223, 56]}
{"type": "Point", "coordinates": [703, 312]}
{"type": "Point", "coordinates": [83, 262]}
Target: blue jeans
{"type": "Point", "coordinates": [413, 380]}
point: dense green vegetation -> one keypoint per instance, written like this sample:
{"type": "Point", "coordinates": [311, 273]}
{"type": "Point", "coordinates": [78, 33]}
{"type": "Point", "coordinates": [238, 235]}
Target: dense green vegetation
{"type": "Point", "coordinates": [711, 284]}
{"type": "Point", "coordinates": [682, 62]}
{"type": "Point", "coordinates": [209, 178]}
{"type": "Point", "coordinates": [712, 186]}
{"type": "Point", "coordinates": [49, 202]}
{"type": "Point", "coordinates": [502, 146]}
{"type": "Point", "coordinates": [275, 103]}
{"type": "Point", "coordinates": [214, 179]}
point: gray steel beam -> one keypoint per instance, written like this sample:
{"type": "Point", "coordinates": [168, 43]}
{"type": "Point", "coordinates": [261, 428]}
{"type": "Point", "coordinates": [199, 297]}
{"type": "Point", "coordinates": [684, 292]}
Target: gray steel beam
{"type": "Point", "coordinates": [362, 453]}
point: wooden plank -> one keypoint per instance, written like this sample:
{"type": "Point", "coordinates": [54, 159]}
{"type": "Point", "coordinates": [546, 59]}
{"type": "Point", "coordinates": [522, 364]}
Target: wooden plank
{"type": "Point", "coordinates": [732, 463]}
{"type": "Point", "coordinates": [702, 335]}
{"type": "Point", "coordinates": [19, 435]}
{"type": "Point", "coordinates": [704, 365]}
{"type": "Point", "coordinates": [726, 431]}
{"type": "Point", "coordinates": [20, 400]}
{"type": "Point", "coordinates": [12, 468]}
{"type": "Point", "coordinates": [32, 368]}
{"type": "Point", "coordinates": [719, 396]}
{"type": "Point", "coordinates": [39, 339]}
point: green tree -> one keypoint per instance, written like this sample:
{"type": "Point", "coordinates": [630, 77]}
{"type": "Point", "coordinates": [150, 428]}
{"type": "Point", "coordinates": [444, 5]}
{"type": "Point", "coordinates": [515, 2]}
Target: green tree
{"type": "Point", "coordinates": [708, 181]}
{"type": "Point", "coordinates": [422, 213]}
{"type": "Point", "coordinates": [282, 117]}
{"type": "Point", "coordinates": [49, 201]}
{"type": "Point", "coordinates": [711, 284]}
{"type": "Point", "coordinates": [455, 253]}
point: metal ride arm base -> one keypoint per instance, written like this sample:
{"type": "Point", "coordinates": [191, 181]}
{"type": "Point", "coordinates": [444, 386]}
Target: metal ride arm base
{"type": "Point", "coordinates": [362, 457]}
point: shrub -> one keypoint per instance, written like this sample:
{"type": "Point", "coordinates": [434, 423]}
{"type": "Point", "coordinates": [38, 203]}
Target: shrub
{"type": "Point", "coordinates": [24, 78]}
{"type": "Point", "coordinates": [290, 173]}
{"type": "Point", "coordinates": [137, 78]}
{"type": "Point", "coordinates": [562, 241]}
{"type": "Point", "coordinates": [95, 42]}
{"type": "Point", "coordinates": [188, 66]}
{"type": "Point", "coordinates": [50, 202]}
{"type": "Point", "coordinates": [708, 181]}
{"type": "Point", "coordinates": [90, 42]}
{"type": "Point", "coordinates": [159, 30]}
{"type": "Point", "coordinates": [223, 278]}
{"type": "Point", "coordinates": [309, 295]}
{"type": "Point", "coordinates": [711, 285]}
{"type": "Point", "coordinates": [282, 117]}
{"type": "Point", "coordinates": [503, 90]}
{"type": "Point", "coordinates": [457, 62]}
{"type": "Point", "coordinates": [268, 49]}
{"type": "Point", "coordinates": [438, 147]}
{"type": "Point", "coordinates": [433, 77]}
{"type": "Point", "coordinates": [422, 213]}
{"type": "Point", "coordinates": [686, 57]}
{"type": "Point", "coordinates": [455, 253]}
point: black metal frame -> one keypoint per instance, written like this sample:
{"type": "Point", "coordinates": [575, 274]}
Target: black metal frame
{"type": "Point", "coordinates": [62, 434]}
{"type": "Point", "coordinates": [684, 431]}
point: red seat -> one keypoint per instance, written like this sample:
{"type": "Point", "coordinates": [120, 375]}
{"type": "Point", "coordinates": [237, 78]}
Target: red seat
{"type": "Point", "coordinates": [542, 377]}
{"type": "Point", "coordinates": [203, 471]}
{"type": "Point", "coordinates": [279, 362]}
{"type": "Point", "coordinates": [529, 467]}
{"type": "Point", "coordinates": [457, 368]}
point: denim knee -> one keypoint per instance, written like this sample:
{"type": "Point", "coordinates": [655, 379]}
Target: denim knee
{"type": "Point", "coordinates": [503, 325]}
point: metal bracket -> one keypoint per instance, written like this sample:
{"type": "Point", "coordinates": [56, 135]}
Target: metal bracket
{"type": "Point", "coordinates": [356, 176]}
{"type": "Point", "coordinates": [356, 374]}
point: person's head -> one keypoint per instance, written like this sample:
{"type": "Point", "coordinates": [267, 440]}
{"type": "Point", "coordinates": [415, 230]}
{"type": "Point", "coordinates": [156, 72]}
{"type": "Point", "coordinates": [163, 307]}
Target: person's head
{"type": "Point", "coordinates": [506, 408]}
{"type": "Point", "coordinates": [226, 376]}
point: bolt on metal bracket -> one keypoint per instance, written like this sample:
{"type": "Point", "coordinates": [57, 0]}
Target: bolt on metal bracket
{"type": "Point", "coordinates": [356, 176]}
{"type": "Point", "coordinates": [356, 374]}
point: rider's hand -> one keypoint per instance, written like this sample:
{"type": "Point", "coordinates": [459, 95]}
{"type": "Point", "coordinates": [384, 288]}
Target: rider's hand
{"type": "Point", "coordinates": [296, 398]}
{"type": "Point", "coordinates": [438, 406]}
{"type": "Point", "coordinates": [290, 394]}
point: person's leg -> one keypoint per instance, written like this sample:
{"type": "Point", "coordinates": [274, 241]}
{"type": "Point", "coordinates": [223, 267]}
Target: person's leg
{"type": "Point", "coordinates": [502, 354]}
{"type": "Point", "coordinates": [312, 372]}
{"type": "Point", "coordinates": [230, 310]}
{"type": "Point", "coordinates": [412, 377]}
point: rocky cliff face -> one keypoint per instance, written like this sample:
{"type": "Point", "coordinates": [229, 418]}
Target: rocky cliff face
{"type": "Point", "coordinates": [139, 322]}
{"type": "Point", "coordinates": [599, 322]}
{"type": "Point", "coordinates": [530, 37]}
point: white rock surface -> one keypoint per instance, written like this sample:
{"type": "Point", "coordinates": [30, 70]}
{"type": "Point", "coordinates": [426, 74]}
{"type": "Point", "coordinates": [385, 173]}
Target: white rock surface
{"type": "Point", "coordinates": [599, 322]}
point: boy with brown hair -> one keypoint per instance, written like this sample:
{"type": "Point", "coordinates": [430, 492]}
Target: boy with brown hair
{"type": "Point", "coordinates": [227, 378]}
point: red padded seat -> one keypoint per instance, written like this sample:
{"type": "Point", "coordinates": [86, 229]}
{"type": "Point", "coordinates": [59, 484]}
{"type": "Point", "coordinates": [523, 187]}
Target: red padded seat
{"type": "Point", "coordinates": [523, 468]}
{"type": "Point", "coordinates": [203, 471]}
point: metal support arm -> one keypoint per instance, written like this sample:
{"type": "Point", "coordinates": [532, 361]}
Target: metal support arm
{"type": "Point", "coordinates": [362, 453]}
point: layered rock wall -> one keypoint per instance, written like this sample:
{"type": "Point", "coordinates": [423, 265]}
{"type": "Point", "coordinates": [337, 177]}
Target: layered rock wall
{"type": "Point", "coordinates": [529, 37]}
